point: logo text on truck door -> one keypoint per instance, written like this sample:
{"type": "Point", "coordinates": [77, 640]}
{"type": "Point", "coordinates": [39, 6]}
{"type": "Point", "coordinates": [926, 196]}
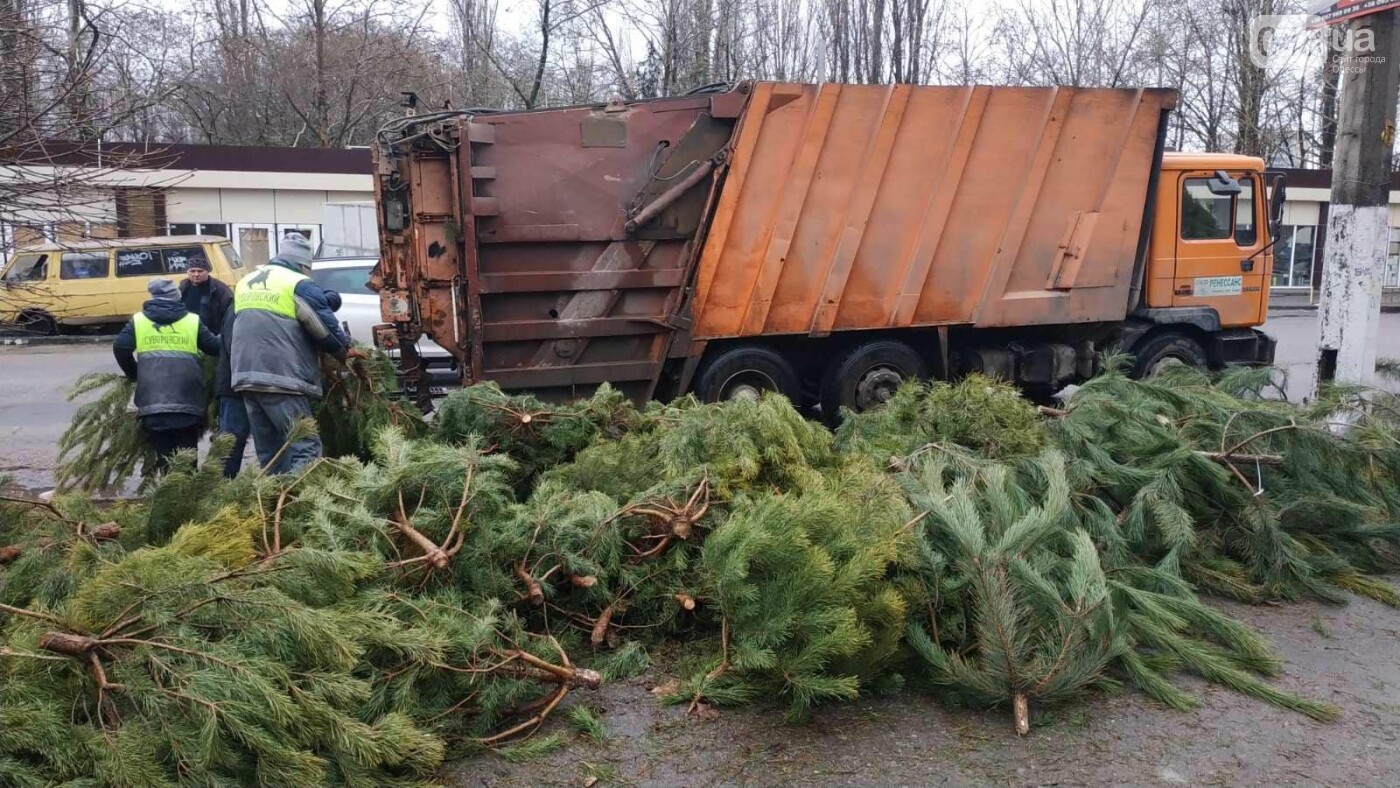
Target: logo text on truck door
{"type": "Point", "coordinates": [1207, 286]}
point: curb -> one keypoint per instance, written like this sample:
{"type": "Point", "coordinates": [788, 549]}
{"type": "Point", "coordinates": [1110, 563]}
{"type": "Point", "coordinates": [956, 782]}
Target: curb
{"type": "Point", "coordinates": [51, 341]}
{"type": "Point", "coordinates": [1385, 308]}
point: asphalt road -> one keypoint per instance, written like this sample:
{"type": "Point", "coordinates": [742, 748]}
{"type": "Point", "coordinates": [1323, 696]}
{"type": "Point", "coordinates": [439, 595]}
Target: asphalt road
{"type": "Point", "coordinates": [34, 408]}
{"type": "Point", "coordinates": [1297, 334]}
{"type": "Point", "coordinates": [34, 381]}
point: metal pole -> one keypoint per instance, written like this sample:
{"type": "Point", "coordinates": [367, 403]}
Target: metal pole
{"type": "Point", "coordinates": [1354, 257]}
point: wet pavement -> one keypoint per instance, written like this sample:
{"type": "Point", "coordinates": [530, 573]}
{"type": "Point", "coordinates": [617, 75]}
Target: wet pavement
{"type": "Point", "coordinates": [1343, 654]}
{"type": "Point", "coordinates": [34, 409]}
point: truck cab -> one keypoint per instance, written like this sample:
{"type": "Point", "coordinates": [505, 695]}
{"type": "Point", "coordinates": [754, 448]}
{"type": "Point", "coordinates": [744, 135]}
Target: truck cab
{"type": "Point", "coordinates": [1211, 241]}
{"type": "Point", "coordinates": [1210, 256]}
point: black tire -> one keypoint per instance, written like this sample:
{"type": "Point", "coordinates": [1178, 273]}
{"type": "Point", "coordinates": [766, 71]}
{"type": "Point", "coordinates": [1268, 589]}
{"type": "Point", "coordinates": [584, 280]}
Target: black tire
{"type": "Point", "coordinates": [747, 371]}
{"type": "Point", "coordinates": [867, 377]}
{"type": "Point", "coordinates": [37, 322]}
{"type": "Point", "coordinates": [1159, 349]}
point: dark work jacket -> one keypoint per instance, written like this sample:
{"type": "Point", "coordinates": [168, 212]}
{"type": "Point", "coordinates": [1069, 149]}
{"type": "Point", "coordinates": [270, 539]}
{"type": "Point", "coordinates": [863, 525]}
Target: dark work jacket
{"type": "Point", "coordinates": [169, 390]}
{"type": "Point", "coordinates": [213, 309]}
{"type": "Point", "coordinates": [223, 375]}
{"type": "Point", "coordinates": [277, 353]}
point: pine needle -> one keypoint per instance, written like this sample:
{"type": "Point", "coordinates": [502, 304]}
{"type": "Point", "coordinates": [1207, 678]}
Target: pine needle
{"type": "Point", "coordinates": [533, 749]}
{"type": "Point", "coordinates": [589, 724]}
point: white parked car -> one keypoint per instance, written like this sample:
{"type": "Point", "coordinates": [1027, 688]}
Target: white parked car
{"type": "Point", "coordinates": [359, 310]}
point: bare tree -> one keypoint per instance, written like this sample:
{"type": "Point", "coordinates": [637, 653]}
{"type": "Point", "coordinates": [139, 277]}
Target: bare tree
{"type": "Point", "coordinates": [788, 45]}
{"type": "Point", "coordinates": [320, 72]}
{"type": "Point", "coordinates": [340, 67]}
{"type": "Point", "coordinates": [555, 21]}
{"type": "Point", "coordinates": [329, 72]}
{"type": "Point", "coordinates": [475, 28]}
{"type": "Point", "coordinates": [1080, 43]}
{"type": "Point", "coordinates": [1186, 47]}
{"type": "Point", "coordinates": [66, 84]}
{"type": "Point", "coordinates": [1250, 78]}
{"type": "Point", "coordinates": [966, 57]}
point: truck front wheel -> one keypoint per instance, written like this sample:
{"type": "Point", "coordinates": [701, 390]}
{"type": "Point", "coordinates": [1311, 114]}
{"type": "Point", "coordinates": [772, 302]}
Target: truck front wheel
{"type": "Point", "coordinates": [867, 377]}
{"type": "Point", "coordinates": [1156, 352]}
{"type": "Point", "coordinates": [34, 321]}
{"type": "Point", "coordinates": [745, 373]}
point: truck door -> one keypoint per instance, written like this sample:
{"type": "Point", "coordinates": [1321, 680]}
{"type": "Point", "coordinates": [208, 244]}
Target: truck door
{"type": "Point", "coordinates": [1217, 235]}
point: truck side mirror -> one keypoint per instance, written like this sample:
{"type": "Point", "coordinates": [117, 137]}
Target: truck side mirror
{"type": "Point", "coordinates": [1223, 185]}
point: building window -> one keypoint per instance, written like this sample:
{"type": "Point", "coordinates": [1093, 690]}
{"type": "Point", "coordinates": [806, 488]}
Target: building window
{"type": "Point", "coordinates": [254, 245]}
{"type": "Point", "coordinates": [1392, 259]}
{"type": "Point", "coordinates": [1293, 256]}
{"type": "Point", "coordinates": [310, 232]}
{"type": "Point", "coordinates": [199, 228]}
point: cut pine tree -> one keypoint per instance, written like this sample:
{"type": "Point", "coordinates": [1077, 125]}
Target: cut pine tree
{"type": "Point", "coordinates": [343, 623]}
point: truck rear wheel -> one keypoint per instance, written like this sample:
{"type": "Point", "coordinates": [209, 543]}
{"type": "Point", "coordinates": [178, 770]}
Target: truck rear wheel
{"type": "Point", "coordinates": [745, 373]}
{"type": "Point", "coordinates": [1156, 352]}
{"type": "Point", "coordinates": [867, 377]}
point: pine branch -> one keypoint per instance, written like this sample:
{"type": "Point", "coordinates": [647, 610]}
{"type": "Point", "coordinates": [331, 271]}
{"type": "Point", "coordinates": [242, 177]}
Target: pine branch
{"type": "Point", "coordinates": [18, 611]}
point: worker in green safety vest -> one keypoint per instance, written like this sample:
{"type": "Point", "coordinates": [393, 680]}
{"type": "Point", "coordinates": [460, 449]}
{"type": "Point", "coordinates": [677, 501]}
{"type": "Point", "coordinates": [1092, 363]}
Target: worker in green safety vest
{"type": "Point", "coordinates": [159, 348]}
{"type": "Point", "coordinates": [282, 321]}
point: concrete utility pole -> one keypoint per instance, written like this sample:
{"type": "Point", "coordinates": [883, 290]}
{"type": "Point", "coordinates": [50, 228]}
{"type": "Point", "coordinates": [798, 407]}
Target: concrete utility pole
{"type": "Point", "coordinates": [1354, 258]}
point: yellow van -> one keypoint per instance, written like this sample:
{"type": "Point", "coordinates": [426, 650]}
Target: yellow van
{"type": "Point", "coordinates": [53, 287]}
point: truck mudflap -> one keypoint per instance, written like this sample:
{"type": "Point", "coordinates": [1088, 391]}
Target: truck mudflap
{"type": "Point", "coordinates": [1243, 346]}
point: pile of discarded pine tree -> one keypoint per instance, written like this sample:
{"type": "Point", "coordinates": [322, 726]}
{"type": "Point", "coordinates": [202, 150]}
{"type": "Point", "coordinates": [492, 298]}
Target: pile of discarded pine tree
{"type": "Point", "coordinates": [443, 589]}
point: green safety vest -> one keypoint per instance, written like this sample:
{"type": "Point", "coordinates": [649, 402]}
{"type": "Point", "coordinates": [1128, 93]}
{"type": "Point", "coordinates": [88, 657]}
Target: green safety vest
{"type": "Point", "coordinates": [272, 288]}
{"type": "Point", "coordinates": [182, 336]}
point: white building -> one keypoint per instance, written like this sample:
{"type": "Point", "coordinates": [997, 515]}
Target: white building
{"type": "Point", "coordinates": [1298, 254]}
{"type": "Point", "coordinates": [251, 195]}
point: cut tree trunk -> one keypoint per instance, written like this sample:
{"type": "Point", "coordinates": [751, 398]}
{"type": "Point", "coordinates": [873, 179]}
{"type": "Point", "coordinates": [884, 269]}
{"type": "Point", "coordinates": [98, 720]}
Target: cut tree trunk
{"type": "Point", "coordinates": [67, 643]}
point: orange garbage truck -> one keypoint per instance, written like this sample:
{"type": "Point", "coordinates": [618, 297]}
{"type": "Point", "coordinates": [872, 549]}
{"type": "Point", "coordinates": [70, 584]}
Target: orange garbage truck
{"type": "Point", "coordinates": [825, 241]}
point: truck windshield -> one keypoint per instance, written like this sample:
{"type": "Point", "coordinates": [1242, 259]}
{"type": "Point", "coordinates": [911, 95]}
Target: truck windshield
{"type": "Point", "coordinates": [346, 281]}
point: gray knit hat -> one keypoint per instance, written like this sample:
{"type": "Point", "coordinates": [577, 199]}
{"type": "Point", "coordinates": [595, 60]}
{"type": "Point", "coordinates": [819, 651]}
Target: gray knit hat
{"type": "Point", "coordinates": [163, 289]}
{"type": "Point", "coordinates": [295, 249]}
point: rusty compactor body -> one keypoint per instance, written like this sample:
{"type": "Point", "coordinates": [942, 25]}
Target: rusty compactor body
{"type": "Point", "coordinates": [826, 241]}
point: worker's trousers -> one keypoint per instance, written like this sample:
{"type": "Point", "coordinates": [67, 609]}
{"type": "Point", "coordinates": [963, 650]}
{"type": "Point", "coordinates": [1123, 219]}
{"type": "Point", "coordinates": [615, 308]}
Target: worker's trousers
{"type": "Point", "coordinates": [233, 420]}
{"type": "Point", "coordinates": [271, 418]}
{"type": "Point", "coordinates": [166, 442]}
